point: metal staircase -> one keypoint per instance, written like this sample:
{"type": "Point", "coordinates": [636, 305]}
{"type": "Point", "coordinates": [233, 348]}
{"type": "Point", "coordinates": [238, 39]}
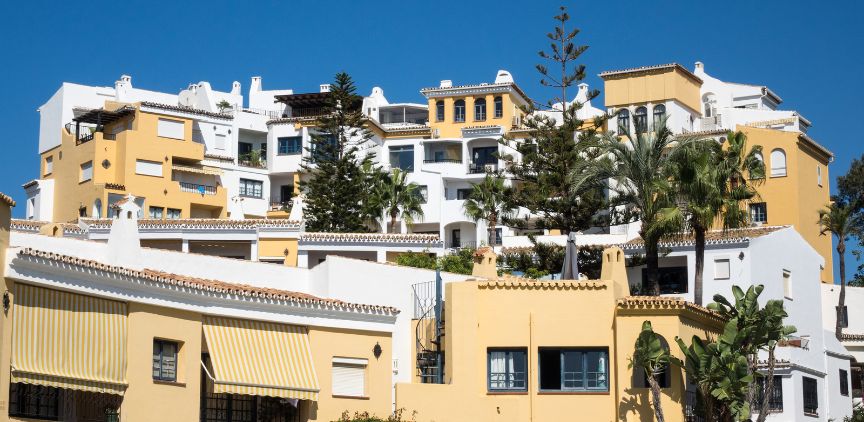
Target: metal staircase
{"type": "Point", "coordinates": [428, 308]}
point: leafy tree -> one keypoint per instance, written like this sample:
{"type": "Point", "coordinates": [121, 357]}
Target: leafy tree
{"type": "Point", "coordinates": [223, 105]}
{"type": "Point", "coordinates": [488, 202]}
{"type": "Point", "coordinates": [417, 260]}
{"type": "Point", "coordinates": [543, 259]}
{"type": "Point", "coordinates": [638, 168]}
{"type": "Point", "coordinates": [461, 262]}
{"type": "Point", "coordinates": [711, 183]}
{"type": "Point", "coordinates": [337, 192]}
{"type": "Point", "coordinates": [850, 187]}
{"type": "Point", "coordinates": [650, 355]}
{"type": "Point", "coordinates": [396, 196]}
{"type": "Point", "coordinates": [752, 329]}
{"type": "Point", "coordinates": [551, 151]}
{"type": "Point", "coordinates": [839, 220]}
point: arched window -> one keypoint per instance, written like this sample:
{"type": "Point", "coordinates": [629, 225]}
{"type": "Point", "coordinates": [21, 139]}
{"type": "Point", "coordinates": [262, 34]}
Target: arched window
{"type": "Point", "coordinates": [479, 109]}
{"type": "Point", "coordinates": [778, 163]}
{"type": "Point", "coordinates": [623, 121]}
{"type": "Point", "coordinates": [664, 378]}
{"type": "Point", "coordinates": [640, 120]}
{"type": "Point", "coordinates": [659, 116]}
{"type": "Point", "coordinates": [499, 107]}
{"type": "Point", "coordinates": [459, 111]}
{"type": "Point", "coordinates": [439, 110]}
{"type": "Point", "coordinates": [97, 208]}
{"type": "Point", "coordinates": [708, 104]}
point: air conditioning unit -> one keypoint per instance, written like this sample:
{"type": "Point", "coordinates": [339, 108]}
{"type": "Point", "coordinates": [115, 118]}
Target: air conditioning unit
{"type": "Point", "coordinates": [517, 121]}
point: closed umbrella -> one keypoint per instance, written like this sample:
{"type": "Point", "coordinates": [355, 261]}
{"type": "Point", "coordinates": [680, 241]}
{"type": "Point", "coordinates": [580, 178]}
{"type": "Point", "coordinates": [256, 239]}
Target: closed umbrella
{"type": "Point", "coordinates": [570, 270]}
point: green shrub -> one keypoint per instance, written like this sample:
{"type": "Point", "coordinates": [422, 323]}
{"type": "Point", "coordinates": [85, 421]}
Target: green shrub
{"type": "Point", "coordinates": [461, 262]}
{"type": "Point", "coordinates": [417, 260]}
{"type": "Point", "coordinates": [368, 417]}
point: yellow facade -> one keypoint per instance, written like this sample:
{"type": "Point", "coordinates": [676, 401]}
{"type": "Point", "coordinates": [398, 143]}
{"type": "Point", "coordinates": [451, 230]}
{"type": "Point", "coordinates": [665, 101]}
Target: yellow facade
{"type": "Point", "coordinates": [796, 198]}
{"type": "Point", "coordinates": [113, 163]}
{"type": "Point", "coordinates": [269, 248]}
{"type": "Point", "coordinates": [450, 128]}
{"type": "Point", "coordinates": [505, 313]}
{"type": "Point", "coordinates": [652, 85]}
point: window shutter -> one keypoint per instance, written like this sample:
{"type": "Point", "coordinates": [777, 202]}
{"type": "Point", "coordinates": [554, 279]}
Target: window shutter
{"type": "Point", "coordinates": [349, 380]}
{"type": "Point", "coordinates": [148, 168]}
{"type": "Point", "coordinates": [168, 128]}
{"type": "Point", "coordinates": [220, 141]}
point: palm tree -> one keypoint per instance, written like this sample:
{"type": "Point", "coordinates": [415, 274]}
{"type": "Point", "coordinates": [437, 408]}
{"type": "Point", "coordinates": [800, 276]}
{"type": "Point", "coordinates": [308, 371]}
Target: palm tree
{"type": "Point", "coordinates": [637, 168]}
{"type": "Point", "coordinates": [839, 220]}
{"type": "Point", "coordinates": [711, 182]}
{"type": "Point", "coordinates": [650, 354]}
{"type": "Point", "coordinates": [488, 202]}
{"type": "Point", "coordinates": [395, 196]}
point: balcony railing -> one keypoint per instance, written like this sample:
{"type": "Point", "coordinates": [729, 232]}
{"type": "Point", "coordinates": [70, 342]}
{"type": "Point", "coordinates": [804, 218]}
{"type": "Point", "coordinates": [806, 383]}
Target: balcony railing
{"type": "Point", "coordinates": [273, 114]}
{"type": "Point", "coordinates": [457, 244]}
{"type": "Point", "coordinates": [308, 111]}
{"type": "Point", "coordinates": [443, 160]}
{"type": "Point", "coordinates": [281, 205]}
{"type": "Point", "coordinates": [196, 188]}
{"type": "Point", "coordinates": [258, 164]}
{"type": "Point", "coordinates": [481, 168]}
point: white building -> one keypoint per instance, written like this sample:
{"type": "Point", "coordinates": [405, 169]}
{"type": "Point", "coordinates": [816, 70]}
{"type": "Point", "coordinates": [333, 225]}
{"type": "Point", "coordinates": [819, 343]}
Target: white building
{"type": "Point", "coordinates": [813, 365]}
{"type": "Point", "coordinates": [853, 329]}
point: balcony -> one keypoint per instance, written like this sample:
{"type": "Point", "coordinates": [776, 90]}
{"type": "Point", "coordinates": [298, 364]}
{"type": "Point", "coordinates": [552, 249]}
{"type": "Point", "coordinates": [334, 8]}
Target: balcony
{"type": "Point", "coordinates": [443, 160]}
{"type": "Point", "coordinates": [197, 188]}
{"type": "Point", "coordinates": [482, 168]}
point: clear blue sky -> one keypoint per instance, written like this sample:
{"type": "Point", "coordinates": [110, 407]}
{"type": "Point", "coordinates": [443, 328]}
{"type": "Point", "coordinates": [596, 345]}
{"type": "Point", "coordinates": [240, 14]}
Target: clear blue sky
{"type": "Point", "coordinates": [809, 55]}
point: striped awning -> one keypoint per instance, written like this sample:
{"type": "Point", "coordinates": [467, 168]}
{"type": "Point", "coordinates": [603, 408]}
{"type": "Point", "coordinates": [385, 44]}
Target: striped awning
{"type": "Point", "coordinates": [260, 358]}
{"type": "Point", "coordinates": [216, 171]}
{"type": "Point", "coordinates": [67, 340]}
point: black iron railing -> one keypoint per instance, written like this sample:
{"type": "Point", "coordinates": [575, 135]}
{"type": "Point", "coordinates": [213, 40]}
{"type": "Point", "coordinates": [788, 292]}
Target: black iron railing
{"type": "Point", "coordinates": [443, 160]}
{"type": "Point", "coordinates": [196, 188]}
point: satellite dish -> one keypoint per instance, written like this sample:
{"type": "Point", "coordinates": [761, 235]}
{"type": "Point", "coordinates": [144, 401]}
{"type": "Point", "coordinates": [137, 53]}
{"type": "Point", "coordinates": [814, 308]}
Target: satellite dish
{"type": "Point", "coordinates": [186, 98]}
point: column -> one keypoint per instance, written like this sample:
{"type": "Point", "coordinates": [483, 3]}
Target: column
{"type": "Point", "coordinates": [185, 246]}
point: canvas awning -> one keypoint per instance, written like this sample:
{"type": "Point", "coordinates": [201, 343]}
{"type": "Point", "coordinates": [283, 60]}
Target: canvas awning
{"type": "Point", "coordinates": [216, 171]}
{"type": "Point", "coordinates": [67, 340]}
{"type": "Point", "coordinates": [260, 358]}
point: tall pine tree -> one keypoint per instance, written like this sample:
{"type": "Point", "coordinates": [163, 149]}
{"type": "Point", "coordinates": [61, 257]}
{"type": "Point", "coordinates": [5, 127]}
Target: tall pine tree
{"type": "Point", "coordinates": [336, 191]}
{"type": "Point", "coordinates": [556, 142]}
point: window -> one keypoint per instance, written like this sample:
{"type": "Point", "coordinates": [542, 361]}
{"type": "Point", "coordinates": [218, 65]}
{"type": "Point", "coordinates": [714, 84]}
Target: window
{"type": "Point", "coordinates": [775, 400]}
{"type": "Point", "coordinates": [844, 383]}
{"type": "Point", "coordinates": [49, 165]}
{"type": "Point", "coordinates": [86, 172]}
{"type": "Point", "coordinates": [167, 128]}
{"type": "Point", "coordinates": [156, 212]}
{"type": "Point", "coordinates": [673, 280]}
{"type": "Point", "coordinates": [165, 360]}
{"type": "Point", "coordinates": [574, 370]}
{"type": "Point", "coordinates": [787, 284]}
{"type": "Point", "coordinates": [640, 120]}
{"type": "Point", "coordinates": [221, 141]}
{"type": "Point", "coordinates": [455, 238]}
{"type": "Point", "coordinates": [34, 401]}
{"type": "Point", "coordinates": [759, 213]}
{"type": "Point", "coordinates": [485, 155]}
{"type": "Point", "coordinates": [402, 157]}
{"type": "Point", "coordinates": [324, 146]}
{"type": "Point", "coordinates": [422, 192]}
{"type": "Point", "coordinates": [498, 234]}
{"type": "Point", "coordinates": [507, 370]}
{"type": "Point", "coordinates": [349, 377]}
{"type": "Point", "coordinates": [459, 111]}
{"type": "Point", "coordinates": [499, 107]}
{"type": "Point", "coordinates": [811, 396]}
{"type": "Point", "coordinates": [173, 214]}
{"type": "Point", "coordinates": [244, 149]}
{"type": "Point", "coordinates": [819, 175]}
{"type": "Point", "coordinates": [479, 109]}
{"type": "Point", "coordinates": [659, 115]}
{"type": "Point", "coordinates": [623, 121]}
{"type": "Point", "coordinates": [291, 145]}
{"type": "Point", "coordinates": [722, 268]}
{"type": "Point", "coordinates": [843, 315]}
{"type": "Point", "coordinates": [251, 188]}
{"type": "Point", "coordinates": [778, 163]}
{"type": "Point", "coordinates": [148, 168]}
{"type": "Point", "coordinates": [464, 193]}
{"type": "Point", "coordinates": [664, 377]}
{"type": "Point", "coordinates": [439, 110]}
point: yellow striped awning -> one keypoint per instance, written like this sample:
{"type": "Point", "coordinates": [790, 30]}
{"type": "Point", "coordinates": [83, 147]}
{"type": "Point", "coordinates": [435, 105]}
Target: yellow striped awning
{"type": "Point", "coordinates": [260, 358]}
{"type": "Point", "coordinates": [67, 340]}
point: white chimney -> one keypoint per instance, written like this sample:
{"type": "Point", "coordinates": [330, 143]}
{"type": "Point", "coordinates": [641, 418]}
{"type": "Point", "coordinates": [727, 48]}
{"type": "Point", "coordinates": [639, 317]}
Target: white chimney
{"type": "Point", "coordinates": [124, 242]}
{"type": "Point", "coordinates": [235, 88]}
{"type": "Point", "coordinates": [121, 88]}
{"type": "Point", "coordinates": [503, 77]}
{"type": "Point", "coordinates": [324, 88]}
{"type": "Point", "coordinates": [256, 85]}
{"type": "Point", "coordinates": [700, 67]}
{"type": "Point", "coordinates": [446, 83]}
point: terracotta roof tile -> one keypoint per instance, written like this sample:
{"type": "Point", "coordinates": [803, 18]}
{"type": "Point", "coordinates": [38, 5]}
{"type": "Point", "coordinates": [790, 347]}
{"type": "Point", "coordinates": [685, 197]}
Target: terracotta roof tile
{"type": "Point", "coordinates": [713, 237]}
{"type": "Point", "coordinates": [203, 285]}
{"type": "Point", "coordinates": [198, 223]}
{"type": "Point", "coordinates": [27, 225]}
{"type": "Point", "coordinates": [190, 110]}
{"type": "Point", "coordinates": [650, 68]}
{"type": "Point", "coordinates": [371, 237]}
{"type": "Point", "coordinates": [33, 182]}
{"type": "Point", "coordinates": [512, 282]}
{"type": "Point", "coordinates": [852, 337]}
{"type": "Point", "coordinates": [661, 302]}
{"type": "Point", "coordinates": [7, 199]}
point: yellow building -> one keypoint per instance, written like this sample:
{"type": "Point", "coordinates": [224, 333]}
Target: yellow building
{"type": "Point", "coordinates": [87, 339]}
{"type": "Point", "coordinates": [527, 350]}
{"type": "Point", "coordinates": [108, 152]}
{"type": "Point", "coordinates": [797, 182]}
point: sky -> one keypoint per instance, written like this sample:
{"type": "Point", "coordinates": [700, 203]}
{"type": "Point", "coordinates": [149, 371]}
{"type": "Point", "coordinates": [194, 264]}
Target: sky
{"type": "Point", "coordinates": [805, 54]}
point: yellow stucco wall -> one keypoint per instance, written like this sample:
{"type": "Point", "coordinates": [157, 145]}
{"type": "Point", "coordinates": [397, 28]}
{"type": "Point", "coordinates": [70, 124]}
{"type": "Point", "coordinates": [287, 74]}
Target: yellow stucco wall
{"type": "Point", "coordinates": [268, 248]}
{"type": "Point", "coordinates": [795, 199]}
{"type": "Point", "coordinates": [652, 86]}
{"type": "Point", "coordinates": [448, 128]}
{"type": "Point", "coordinates": [138, 142]}
{"type": "Point", "coordinates": [6, 285]}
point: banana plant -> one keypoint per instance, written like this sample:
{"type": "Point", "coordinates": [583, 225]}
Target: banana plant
{"type": "Point", "coordinates": [653, 357]}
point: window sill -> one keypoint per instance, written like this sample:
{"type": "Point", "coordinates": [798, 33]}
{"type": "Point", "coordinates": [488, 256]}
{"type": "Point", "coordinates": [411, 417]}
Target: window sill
{"type": "Point", "coordinates": [506, 393]}
{"type": "Point", "coordinates": [287, 154]}
{"type": "Point", "coordinates": [174, 383]}
{"type": "Point", "coordinates": [336, 396]}
{"type": "Point", "coordinates": [573, 393]}
{"type": "Point", "coordinates": [779, 176]}
{"type": "Point", "coordinates": [251, 197]}
{"type": "Point", "coordinates": [812, 415]}
{"type": "Point", "coordinates": [84, 181]}
{"type": "Point", "coordinates": [787, 298]}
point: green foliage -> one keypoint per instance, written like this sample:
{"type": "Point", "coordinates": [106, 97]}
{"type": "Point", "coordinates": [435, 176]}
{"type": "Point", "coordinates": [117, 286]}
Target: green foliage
{"type": "Point", "coordinates": [397, 197]}
{"type": "Point", "coordinates": [850, 186]}
{"type": "Point", "coordinates": [857, 414]}
{"type": "Point", "coordinates": [461, 262]}
{"type": "Point", "coordinates": [223, 105]}
{"type": "Point", "coordinates": [396, 416]}
{"type": "Point", "coordinates": [487, 202]}
{"type": "Point", "coordinates": [543, 259]}
{"type": "Point", "coordinates": [840, 220]}
{"type": "Point", "coordinates": [337, 192]}
{"type": "Point", "coordinates": [650, 355]}
{"type": "Point", "coordinates": [549, 153]}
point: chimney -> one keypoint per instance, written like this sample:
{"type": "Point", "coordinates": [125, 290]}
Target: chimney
{"type": "Point", "coordinates": [256, 85]}
{"type": "Point", "coordinates": [700, 67]}
{"type": "Point", "coordinates": [324, 88]}
{"type": "Point", "coordinates": [485, 263]}
{"type": "Point", "coordinates": [235, 88]}
{"type": "Point", "coordinates": [124, 242]}
{"type": "Point", "coordinates": [121, 87]}
{"type": "Point", "coordinates": [614, 269]}
{"type": "Point", "coordinates": [446, 83]}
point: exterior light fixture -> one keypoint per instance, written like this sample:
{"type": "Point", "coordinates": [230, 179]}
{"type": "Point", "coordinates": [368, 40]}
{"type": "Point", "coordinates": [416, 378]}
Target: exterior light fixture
{"type": "Point", "coordinates": [6, 301]}
{"type": "Point", "coordinates": [741, 256]}
{"type": "Point", "coordinates": [377, 350]}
